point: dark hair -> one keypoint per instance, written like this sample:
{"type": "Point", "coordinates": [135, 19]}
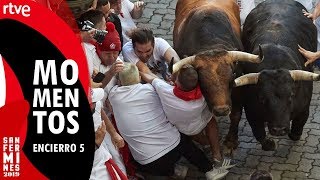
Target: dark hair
{"type": "Point", "coordinates": [261, 175]}
{"type": "Point", "coordinates": [113, 1]}
{"type": "Point", "coordinates": [95, 16]}
{"type": "Point", "coordinates": [141, 36]}
{"type": "Point", "coordinates": [188, 77]}
{"type": "Point", "coordinates": [101, 3]}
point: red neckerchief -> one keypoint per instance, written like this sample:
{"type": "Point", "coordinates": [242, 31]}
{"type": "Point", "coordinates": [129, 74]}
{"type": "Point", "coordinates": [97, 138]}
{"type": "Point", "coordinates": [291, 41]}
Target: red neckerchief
{"type": "Point", "coordinates": [187, 96]}
{"type": "Point", "coordinates": [113, 170]}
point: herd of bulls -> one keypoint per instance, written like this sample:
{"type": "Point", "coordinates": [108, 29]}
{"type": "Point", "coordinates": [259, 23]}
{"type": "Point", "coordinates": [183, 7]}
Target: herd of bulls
{"type": "Point", "coordinates": [258, 69]}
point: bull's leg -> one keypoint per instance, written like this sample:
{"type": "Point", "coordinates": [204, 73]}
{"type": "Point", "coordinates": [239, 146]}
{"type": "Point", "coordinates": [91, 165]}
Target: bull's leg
{"type": "Point", "coordinates": [259, 133]}
{"type": "Point", "coordinates": [231, 141]}
{"type": "Point", "coordinates": [297, 125]}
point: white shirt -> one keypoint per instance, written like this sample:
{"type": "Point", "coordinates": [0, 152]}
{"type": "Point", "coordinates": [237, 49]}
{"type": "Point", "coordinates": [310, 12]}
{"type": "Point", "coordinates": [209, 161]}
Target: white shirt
{"type": "Point", "coordinates": [190, 117]}
{"type": "Point", "coordinates": [142, 123]}
{"type": "Point", "coordinates": [160, 48]}
{"type": "Point", "coordinates": [91, 56]}
{"type": "Point", "coordinates": [2, 84]}
{"type": "Point", "coordinates": [127, 22]}
{"type": "Point", "coordinates": [102, 154]}
{"type": "Point", "coordinates": [306, 3]}
{"type": "Point", "coordinates": [103, 69]}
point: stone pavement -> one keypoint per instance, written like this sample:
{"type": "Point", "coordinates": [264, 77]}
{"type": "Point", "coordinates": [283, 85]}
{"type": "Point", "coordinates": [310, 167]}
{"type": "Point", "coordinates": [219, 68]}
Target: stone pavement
{"type": "Point", "coordinates": [291, 160]}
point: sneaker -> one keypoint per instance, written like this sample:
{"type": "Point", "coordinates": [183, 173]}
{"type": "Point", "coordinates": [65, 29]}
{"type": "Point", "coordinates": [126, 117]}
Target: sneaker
{"type": "Point", "coordinates": [180, 171]}
{"type": "Point", "coordinates": [216, 174]}
{"type": "Point", "coordinates": [225, 164]}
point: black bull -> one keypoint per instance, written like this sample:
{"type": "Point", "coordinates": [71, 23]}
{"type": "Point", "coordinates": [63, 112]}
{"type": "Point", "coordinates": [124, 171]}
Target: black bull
{"type": "Point", "coordinates": [282, 86]}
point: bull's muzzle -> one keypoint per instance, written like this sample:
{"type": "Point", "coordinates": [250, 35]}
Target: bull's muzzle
{"type": "Point", "coordinates": [279, 131]}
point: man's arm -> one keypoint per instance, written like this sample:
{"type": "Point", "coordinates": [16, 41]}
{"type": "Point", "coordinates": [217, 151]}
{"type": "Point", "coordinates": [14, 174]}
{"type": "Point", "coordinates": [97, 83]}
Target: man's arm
{"type": "Point", "coordinates": [137, 10]}
{"type": "Point", "coordinates": [115, 68]}
{"type": "Point", "coordinates": [116, 139]}
{"type": "Point", "coordinates": [310, 56]}
{"type": "Point", "coordinates": [144, 68]}
{"type": "Point", "coordinates": [99, 135]}
{"type": "Point", "coordinates": [147, 77]}
{"type": "Point", "coordinates": [169, 54]}
{"type": "Point", "coordinates": [315, 14]}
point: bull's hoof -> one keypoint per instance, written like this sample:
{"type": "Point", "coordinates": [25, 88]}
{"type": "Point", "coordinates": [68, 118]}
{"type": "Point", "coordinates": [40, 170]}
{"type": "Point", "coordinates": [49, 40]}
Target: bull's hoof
{"type": "Point", "coordinates": [229, 147]}
{"type": "Point", "coordinates": [294, 137]}
{"type": "Point", "coordinates": [268, 145]}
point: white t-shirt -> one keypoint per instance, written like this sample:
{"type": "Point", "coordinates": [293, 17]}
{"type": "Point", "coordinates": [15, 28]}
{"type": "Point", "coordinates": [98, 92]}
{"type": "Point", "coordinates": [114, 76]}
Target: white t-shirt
{"type": "Point", "coordinates": [306, 3]}
{"type": "Point", "coordinates": [190, 117]}
{"type": "Point", "coordinates": [103, 69]}
{"type": "Point", "coordinates": [107, 140]}
{"type": "Point", "coordinates": [102, 154]}
{"type": "Point", "coordinates": [142, 123]}
{"type": "Point", "coordinates": [160, 48]}
{"type": "Point", "coordinates": [91, 56]}
{"type": "Point", "coordinates": [127, 22]}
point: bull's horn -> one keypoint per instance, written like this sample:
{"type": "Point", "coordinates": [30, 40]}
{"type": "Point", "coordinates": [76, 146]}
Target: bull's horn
{"type": "Point", "coordinates": [179, 64]}
{"type": "Point", "coordinates": [251, 78]}
{"type": "Point", "coordinates": [299, 75]}
{"type": "Point", "coordinates": [247, 57]}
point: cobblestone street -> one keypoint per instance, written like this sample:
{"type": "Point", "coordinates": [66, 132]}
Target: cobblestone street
{"type": "Point", "coordinates": [291, 160]}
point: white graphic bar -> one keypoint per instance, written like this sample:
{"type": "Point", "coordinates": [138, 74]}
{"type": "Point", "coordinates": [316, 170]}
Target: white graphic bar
{"type": "Point", "coordinates": [2, 84]}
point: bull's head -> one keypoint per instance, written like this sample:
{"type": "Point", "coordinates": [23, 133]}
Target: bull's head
{"type": "Point", "coordinates": [215, 69]}
{"type": "Point", "coordinates": [276, 94]}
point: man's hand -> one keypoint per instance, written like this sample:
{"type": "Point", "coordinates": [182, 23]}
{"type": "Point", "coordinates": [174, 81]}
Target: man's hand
{"type": "Point", "coordinates": [147, 77]}
{"type": "Point", "coordinates": [137, 9]}
{"type": "Point", "coordinates": [117, 140]}
{"type": "Point", "coordinates": [87, 36]}
{"type": "Point", "coordinates": [310, 56]}
{"type": "Point", "coordinates": [94, 84]}
{"type": "Point", "coordinates": [100, 133]}
{"type": "Point", "coordinates": [138, 5]}
{"type": "Point", "coordinates": [313, 16]}
{"type": "Point", "coordinates": [116, 67]}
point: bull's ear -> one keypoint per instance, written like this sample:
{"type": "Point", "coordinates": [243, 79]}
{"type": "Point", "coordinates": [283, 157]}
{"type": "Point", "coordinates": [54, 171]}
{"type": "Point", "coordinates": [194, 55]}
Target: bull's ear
{"type": "Point", "coordinates": [171, 65]}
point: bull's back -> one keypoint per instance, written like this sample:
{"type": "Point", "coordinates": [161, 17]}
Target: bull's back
{"type": "Point", "coordinates": [189, 10]}
{"type": "Point", "coordinates": [280, 22]}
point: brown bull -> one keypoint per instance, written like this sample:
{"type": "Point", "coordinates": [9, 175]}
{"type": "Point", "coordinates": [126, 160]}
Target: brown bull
{"type": "Point", "coordinates": [208, 31]}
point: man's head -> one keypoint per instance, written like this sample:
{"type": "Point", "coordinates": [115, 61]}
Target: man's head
{"type": "Point", "coordinates": [96, 17]}
{"type": "Point", "coordinates": [187, 78]}
{"type": "Point", "coordinates": [116, 5]}
{"type": "Point", "coordinates": [109, 49]}
{"type": "Point", "coordinates": [143, 43]}
{"type": "Point", "coordinates": [129, 75]}
{"type": "Point", "coordinates": [104, 6]}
